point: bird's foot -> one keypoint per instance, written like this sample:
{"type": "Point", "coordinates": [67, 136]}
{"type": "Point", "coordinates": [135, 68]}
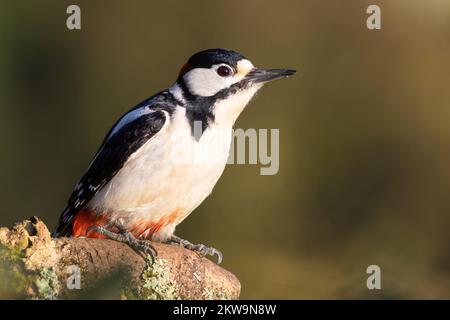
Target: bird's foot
{"type": "Point", "coordinates": [124, 236]}
{"type": "Point", "coordinates": [200, 248]}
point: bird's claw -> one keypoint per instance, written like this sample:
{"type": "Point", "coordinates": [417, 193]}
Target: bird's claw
{"type": "Point", "coordinates": [126, 237]}
{"type": "Point", "coordinates": [204, 250]}
{"type": "Point", "coordinates": [200, 248]}
{"type": "Point", "coordinates": [146, 247]}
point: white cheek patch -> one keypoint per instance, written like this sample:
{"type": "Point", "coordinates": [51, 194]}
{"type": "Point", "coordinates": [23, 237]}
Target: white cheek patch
{"type": "Point", "coordinates": [205, 82]}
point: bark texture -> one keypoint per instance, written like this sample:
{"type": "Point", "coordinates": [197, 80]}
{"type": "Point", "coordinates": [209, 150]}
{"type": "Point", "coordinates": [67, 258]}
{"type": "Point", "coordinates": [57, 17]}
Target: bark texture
{"type": "Point", "coordinates": [34, 265]}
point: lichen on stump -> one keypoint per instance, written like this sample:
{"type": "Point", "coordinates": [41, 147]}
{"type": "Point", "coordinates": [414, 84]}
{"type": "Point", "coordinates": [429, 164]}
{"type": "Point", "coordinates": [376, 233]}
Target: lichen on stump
{"type": "Point", "coordinates": [35, 266]}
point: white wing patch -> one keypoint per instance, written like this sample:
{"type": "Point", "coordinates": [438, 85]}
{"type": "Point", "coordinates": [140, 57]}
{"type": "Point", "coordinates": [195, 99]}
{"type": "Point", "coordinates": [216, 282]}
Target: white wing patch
{"type": "Point", "coordinates": [130, 117]}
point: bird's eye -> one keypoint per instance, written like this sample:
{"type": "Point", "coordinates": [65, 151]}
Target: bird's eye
{"type": "Point", "coordinates": [224, 71]}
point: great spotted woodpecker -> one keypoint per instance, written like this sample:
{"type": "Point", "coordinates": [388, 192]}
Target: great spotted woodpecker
{"type": "Point", "coordinates": [136, 187]}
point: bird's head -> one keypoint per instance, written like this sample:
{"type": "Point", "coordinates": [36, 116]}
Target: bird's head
{"type": "Point", "coordinates": [222, 82]}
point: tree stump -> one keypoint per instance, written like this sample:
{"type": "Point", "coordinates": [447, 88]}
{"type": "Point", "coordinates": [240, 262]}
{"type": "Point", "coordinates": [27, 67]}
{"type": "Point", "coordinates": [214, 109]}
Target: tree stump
{"type": "Point", "coordinates": [35, 266]}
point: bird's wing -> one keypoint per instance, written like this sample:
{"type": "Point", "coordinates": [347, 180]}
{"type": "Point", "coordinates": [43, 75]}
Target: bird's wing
{"type": "Point", "coordinates": [126, 137]}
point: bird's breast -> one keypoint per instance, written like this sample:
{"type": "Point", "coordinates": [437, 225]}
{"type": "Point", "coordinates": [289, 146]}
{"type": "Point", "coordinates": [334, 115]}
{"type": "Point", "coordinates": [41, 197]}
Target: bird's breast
{"type": "Point", "coordinates": [172, 173]}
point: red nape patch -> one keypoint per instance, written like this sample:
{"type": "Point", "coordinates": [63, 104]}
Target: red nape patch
{"type": "Point", "coordinates": [83, 220]}
{"type": "Point", "coordinates": [184, 69]}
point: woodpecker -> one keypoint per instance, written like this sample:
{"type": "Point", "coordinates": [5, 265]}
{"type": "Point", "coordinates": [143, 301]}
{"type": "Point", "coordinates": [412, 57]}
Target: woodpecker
{"type": "Point", "coordinates": [136, 187]}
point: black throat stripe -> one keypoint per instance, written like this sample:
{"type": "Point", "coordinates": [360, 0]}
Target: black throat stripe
{"type": "Point", "coordinates": [200, 108]}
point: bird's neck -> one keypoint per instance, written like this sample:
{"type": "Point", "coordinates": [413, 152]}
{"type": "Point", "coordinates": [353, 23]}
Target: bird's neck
{"type": "Point", "coordinates": [218, 110]}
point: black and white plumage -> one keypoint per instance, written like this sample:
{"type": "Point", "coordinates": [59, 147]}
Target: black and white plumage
{"type": "Point", "coordinates": [163, 157]}
{"type": "Point", "coordinates": [129, 134]}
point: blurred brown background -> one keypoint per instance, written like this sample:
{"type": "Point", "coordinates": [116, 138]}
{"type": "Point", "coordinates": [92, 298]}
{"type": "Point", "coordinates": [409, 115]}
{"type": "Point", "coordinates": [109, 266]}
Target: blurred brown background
{"type": "Point", "coordinates": [364, 127]}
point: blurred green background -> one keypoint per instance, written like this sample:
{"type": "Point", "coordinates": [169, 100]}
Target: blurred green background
{"type": "Point", "coordinates": [364, 131]}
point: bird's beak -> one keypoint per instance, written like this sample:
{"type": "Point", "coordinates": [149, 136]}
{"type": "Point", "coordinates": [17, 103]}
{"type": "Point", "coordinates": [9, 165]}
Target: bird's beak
{"type": "Point", "coordinates": [258, 75]}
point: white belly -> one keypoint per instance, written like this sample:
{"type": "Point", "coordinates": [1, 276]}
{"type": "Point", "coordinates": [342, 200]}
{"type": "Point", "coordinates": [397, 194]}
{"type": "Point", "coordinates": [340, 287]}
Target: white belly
{"type": "Point", "coordinates": [167, 178]}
